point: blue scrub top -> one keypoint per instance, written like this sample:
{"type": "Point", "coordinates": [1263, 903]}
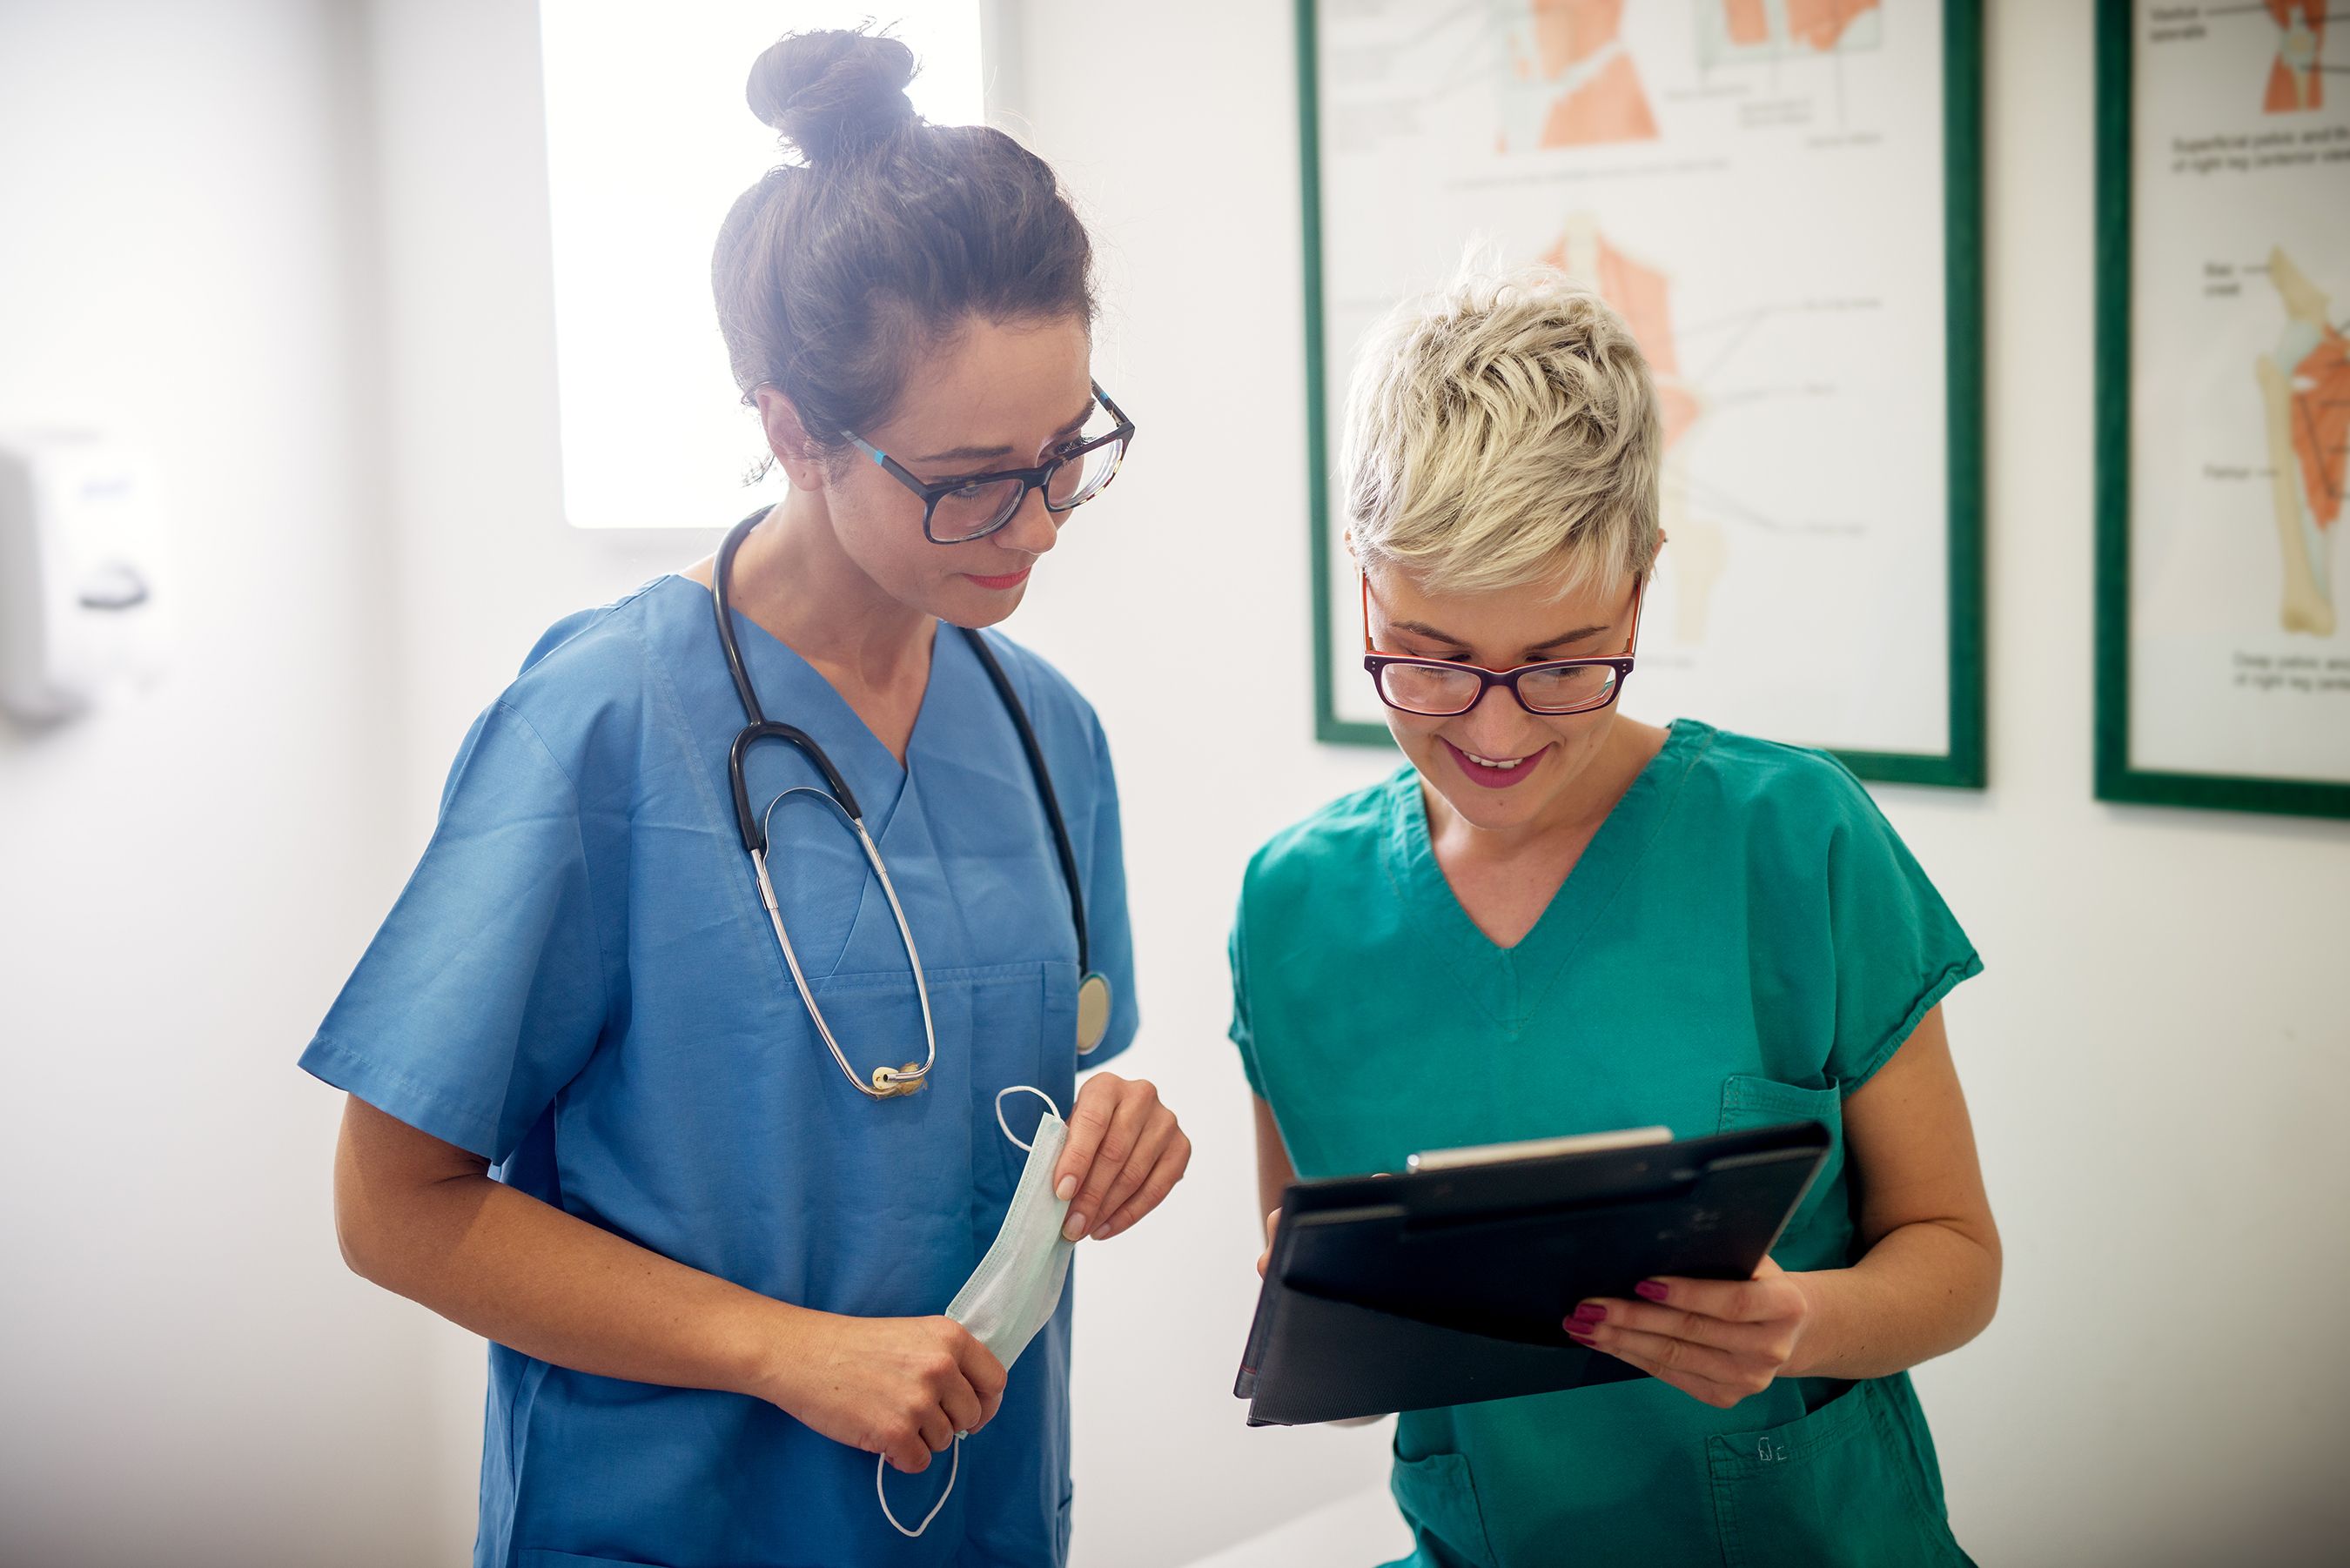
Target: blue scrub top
{"type": "Point", "coordinates": [579, 984]}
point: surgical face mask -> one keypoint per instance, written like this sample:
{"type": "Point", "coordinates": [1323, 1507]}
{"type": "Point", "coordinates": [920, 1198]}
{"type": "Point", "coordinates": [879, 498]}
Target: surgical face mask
{"type": "Point", "coordinates": [1016, 1288]}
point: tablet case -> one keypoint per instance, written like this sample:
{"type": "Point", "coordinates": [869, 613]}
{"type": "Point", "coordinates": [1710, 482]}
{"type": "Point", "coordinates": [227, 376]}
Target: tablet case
{"type": "Point", "coordinates": [1448, 1287]}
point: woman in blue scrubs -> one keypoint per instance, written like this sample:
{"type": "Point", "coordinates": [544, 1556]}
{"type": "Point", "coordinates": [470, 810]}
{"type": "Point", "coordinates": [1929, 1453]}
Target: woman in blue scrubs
{"type": "Point", "coordinates": [1556, 920]}
{"type": "Point", "coordinates": [590, 1116]}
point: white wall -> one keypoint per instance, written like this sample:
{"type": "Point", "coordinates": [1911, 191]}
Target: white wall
{"type": "Point", "coordinates": [486, 561]}
{"type": "Point", "coordinates": [187, 1372]}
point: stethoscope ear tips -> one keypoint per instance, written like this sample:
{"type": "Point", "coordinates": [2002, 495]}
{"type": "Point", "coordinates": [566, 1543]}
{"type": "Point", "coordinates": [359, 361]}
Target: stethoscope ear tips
{"type": "Point", "coordinates": [889, 1082]}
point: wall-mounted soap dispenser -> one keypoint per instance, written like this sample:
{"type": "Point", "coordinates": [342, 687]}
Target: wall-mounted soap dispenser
{"type": "Point", "coordinates": [82, 603]}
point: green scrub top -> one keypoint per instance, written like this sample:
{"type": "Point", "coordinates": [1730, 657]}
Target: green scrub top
{"type": "Point", "coordinates": [1744, 942]}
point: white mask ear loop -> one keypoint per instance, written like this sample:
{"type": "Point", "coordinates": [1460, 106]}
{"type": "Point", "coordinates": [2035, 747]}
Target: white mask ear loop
{"type": "Point", "coordinates": [881, 1461]}
{"type": "Point", "coordinates": [882, 1467]}
{"type": "Point", "coordinates": [1022, 1089]}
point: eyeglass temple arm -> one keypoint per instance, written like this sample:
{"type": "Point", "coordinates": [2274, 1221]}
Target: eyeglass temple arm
{"type": "Point", "coordinates": [1111, 405]}
{"type": "Point", "coordinates": [883, 460]}
{"type": "Point", "coordinates": [890, 465]}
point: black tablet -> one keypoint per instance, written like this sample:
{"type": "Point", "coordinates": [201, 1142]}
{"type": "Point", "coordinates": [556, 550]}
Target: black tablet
{"type": "Point", "coordinates": [1449, 1284]}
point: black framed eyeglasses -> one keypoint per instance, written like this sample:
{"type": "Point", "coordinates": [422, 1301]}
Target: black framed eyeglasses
{"type": "Point", "coordinates": [1440, 688]}
{"type": "Point", "coordinates": [972, 507]}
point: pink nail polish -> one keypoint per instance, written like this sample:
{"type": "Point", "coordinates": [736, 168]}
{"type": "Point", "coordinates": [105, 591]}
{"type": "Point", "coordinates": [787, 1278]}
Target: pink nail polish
{"type": "Point", "coordinates": [1649, 1289]}
{"type": "Point", "coordinates": [1590, 1311]}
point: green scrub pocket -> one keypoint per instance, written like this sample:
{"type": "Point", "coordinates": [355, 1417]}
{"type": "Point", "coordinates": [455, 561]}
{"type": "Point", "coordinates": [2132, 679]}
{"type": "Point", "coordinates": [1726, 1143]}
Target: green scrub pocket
{"type": "Point", "coordinates": [1439, 1500]}
{"type": "Point", "coordinates": [1841, 1486]}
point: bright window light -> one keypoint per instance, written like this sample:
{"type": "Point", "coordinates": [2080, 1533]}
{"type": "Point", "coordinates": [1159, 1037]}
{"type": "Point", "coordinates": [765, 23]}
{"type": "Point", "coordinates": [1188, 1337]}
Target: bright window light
{"type": "Point", "coordinates": [648, 142]}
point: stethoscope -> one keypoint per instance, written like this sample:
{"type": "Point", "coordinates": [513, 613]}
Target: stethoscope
{"type": "Point", "coordinates": [1093, 990]}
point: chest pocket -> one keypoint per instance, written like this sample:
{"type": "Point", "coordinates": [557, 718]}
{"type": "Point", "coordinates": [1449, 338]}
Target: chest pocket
{"type": "Point", "coordinates": [1820, 1234]}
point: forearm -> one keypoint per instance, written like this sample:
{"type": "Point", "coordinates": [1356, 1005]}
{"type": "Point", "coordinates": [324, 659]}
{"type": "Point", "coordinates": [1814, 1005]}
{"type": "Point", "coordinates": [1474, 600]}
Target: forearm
{"type": "Point", "coordinates": [530, 1276]}
{"type": "Point", "coordinates": [1922, 1291]}
{"type": "Point", "coordinates": [1274, 1171]}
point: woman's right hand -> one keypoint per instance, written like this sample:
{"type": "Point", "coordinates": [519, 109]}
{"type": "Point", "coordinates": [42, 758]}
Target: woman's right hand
{"type": "Point", "coordinates": [898, 1387]}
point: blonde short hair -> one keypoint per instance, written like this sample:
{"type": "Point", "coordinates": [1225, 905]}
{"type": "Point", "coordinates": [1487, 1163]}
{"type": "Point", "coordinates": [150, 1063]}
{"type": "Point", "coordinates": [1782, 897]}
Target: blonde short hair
{"type": "Point", "coordinates": [1503, 432]}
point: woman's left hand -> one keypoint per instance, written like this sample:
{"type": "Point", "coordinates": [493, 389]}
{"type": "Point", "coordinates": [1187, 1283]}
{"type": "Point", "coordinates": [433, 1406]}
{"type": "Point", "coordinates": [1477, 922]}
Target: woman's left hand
{"type": "Point", "coordinates": [1715, 1339]}
{"type": "Point", "coordinates": [1124, 1154]}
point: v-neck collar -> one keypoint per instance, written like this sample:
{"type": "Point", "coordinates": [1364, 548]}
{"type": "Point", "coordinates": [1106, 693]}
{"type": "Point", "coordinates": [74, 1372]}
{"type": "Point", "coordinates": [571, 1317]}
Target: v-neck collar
{"type": "Point", "coordinates": [867, 762]}
{"type": "Point", "coordinates": [1511, 983]}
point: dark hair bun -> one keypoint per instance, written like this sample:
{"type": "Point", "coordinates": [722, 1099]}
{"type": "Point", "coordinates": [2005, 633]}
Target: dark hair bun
{"type": "Point", "coordinates": [833, 93]}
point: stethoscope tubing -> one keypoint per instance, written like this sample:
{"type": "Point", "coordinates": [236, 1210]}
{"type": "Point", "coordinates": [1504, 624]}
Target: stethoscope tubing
{"type": "Point", "coordinates": [887, 1082]}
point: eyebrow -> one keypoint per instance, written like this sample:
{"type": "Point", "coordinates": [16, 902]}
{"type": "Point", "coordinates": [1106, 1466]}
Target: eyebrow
{"type": "Point", "coordinates": [989, 453]}
{"type": "Point", "coordinates": [1422, 628]}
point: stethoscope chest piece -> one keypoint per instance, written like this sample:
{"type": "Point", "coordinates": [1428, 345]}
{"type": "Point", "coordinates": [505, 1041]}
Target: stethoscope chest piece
{"type": "Point", "coordinates": [1093, 1012]}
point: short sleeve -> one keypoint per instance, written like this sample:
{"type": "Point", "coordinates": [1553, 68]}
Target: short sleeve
{"type": "Point", "coordinates": [485, 991]}
{"type": "Point", "coordinates": [1898, 950]}
{"type": "Point", "coordinates": [1109, 933]}
{"type": "Point", "coordinates": [1241, 1033]}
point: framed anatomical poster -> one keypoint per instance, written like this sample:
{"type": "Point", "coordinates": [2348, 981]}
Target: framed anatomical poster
{"type": "Point", "coordinates": [2224, 426]}
{"type": "Point", "coordinates": [1782, 197]}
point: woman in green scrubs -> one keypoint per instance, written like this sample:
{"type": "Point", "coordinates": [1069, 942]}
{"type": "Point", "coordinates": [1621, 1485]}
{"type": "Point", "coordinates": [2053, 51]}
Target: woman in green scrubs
{"type": "Point", "coordinates": [1558, 920]}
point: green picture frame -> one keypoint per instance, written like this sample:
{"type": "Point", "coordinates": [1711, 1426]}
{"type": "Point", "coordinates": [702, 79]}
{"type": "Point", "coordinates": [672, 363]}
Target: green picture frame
{"type": "Point", "coordinates": [1965, 764]}
{"type": "Point", "coordinates": [2117, 779]}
